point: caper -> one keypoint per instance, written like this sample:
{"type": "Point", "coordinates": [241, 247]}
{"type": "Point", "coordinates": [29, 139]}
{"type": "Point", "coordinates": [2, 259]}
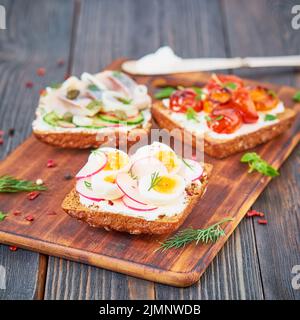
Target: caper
{"type": "Point", "coordinates": [73, 94]}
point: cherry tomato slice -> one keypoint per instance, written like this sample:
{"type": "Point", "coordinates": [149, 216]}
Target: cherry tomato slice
{"type": "Point", "coordinates": [220, 95]}
{"type": "Point", "coordinates": [244, 104]}
{"type": "Point", "coordinates": [263, 98]}
{"type": "Point", "coordinates": [181, 100]}
{"type": "Point", "coordinates": [223, 80]}
{"type": "Point", "coordinates": [225, 120]}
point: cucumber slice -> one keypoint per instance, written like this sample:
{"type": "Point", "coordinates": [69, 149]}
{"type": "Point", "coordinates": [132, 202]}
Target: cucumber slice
{"type": "Point", "coordinates": [113, 119]}
{"type": "Point", "coordinates": [52, 118]}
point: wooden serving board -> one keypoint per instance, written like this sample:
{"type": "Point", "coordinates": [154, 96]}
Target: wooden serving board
{"type": "Point", "coordinates": [230, 193]}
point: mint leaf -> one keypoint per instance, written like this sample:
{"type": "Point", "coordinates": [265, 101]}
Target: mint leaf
{"type": "Point", "coordinates": [2, 216]}
{"type": "Point", "coordinates": [256, 163]}
{"type": "Point", "coordinates": [164, 93]}
{"type": "Point", "coordinates": [270, 117]}
{"type": "Point", "coordinates": [296, 96]}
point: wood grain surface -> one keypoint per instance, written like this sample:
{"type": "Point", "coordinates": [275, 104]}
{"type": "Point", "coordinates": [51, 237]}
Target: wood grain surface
{"type": "Point", "coordinates": [62, 236]}
{"type": "Point", "coordinates": [242, 269]}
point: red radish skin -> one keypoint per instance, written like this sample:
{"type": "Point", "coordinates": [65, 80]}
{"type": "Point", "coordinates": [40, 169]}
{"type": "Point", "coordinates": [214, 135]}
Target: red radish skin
{"type": "Point", "coordinates": [79, 185]}
{"type": "Point", "coordinates": [133, 205]}
{"type": "Point", "coordinates": [80, 176]}
{"type": "Point", "coordinates": [128, 182]}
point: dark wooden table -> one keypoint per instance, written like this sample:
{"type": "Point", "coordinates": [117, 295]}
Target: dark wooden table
{"type": "Point", "coordinates": [257, 261]}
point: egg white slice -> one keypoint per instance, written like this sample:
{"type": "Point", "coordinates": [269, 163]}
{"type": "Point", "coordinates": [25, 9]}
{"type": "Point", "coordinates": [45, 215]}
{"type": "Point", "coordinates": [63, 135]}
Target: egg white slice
{"type": "Point", "coordinates": [168, 189]}
{"type": "Point", "coordinates": [104, 185]}
{"type": "Point", "coordinates": [147, 165]}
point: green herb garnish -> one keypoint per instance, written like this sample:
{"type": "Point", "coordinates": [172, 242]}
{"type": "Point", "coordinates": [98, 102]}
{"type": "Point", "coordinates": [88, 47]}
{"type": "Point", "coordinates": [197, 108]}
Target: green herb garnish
{"type": "Point", "coordinates": [255, 162]}
{"type": "Point", "coordinates": [218, 118]}
{"type": "Point", "coordinates": [124, 100]}
{"type": "Point", "coordinates": [94, 104]}
{"type": "Point", "coordinates": [93, 87]}
{"type": "Point", "coordinates": [11, 184]}
{"type": "Point", "coordinates": [73, 94]}
{"type": "Point", "coordinates": [55, 85]}
{"type": "Point", "coordinates": [155, 180]}
{"type": "Point", "coordinates": [191, 114]}
{"type": "Point", "coordinates": [2, 216]}
{"type": "Point", "coordinates": [187, 164]}
{"type": "Point", "coordinates": [200, 94]}
{"type": "Point", "coordinates": [230, 85]}
{"type": "Point", "coordinates": [208, 118]}
{"type": "Point", "coordinates": [117, 73]}
{"type": "Point", "coordinates": [88, 184]}
{"type": "Point", "coordinates": [186, 236]}
{"type": "Point", "coordinates": [270, 117]}
{"type": "Point", "coordinates": [164, 93]}
{"type": "Point", "coordinates": [296, 96]}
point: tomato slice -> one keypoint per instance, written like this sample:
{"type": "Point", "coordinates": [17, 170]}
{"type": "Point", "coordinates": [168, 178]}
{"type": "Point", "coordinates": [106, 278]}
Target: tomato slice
{"type": "Point", "coordinates": [230, 82]}
{"type": "Point", "coordinates": [220, 95]}
{"type": "Point", "coordinates": [225, 120]}
{"type": "Point", "coordinates": [244, 104]}
{"type": "Point", "coordinates": [181, 100]}
{"type": "Point", "coordinates": [263, 98]}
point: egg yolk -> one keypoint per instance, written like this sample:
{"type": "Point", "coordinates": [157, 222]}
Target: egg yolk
{"type": "Point", "coordinates": [168, 158]}
{"type": "Point", "coordinates": [110, 179]}
{"type": "Point", "coordinates": [115, 161]}
{"type": "Point", "coordinates": [165, 185]}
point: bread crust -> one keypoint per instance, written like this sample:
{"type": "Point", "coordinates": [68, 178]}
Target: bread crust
{"type": "Point", "coordinates": [134, 225]}
{"type": "Point", "coordinates": [224, 148]}
{"type": "Point", "coordinates": [84, 140]}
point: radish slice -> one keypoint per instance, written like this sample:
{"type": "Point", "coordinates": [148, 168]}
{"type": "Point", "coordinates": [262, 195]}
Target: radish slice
{"type": "Point", "coordinates": [147, 165]}
{"type": "Point", "coordinates": [131, 204]}
{"type": "Point", "coordinates": [95, 164]}
{"type": "Point", "coordinates": [129, 187]}
{"type": "Point", "coordinates": [191, 170]}
{"type": "Point", "coordinates": [84, 191]}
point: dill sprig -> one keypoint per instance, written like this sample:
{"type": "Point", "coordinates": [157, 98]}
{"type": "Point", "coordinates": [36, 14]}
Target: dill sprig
{"type": "Point", "coordinates": [182, 238]}
{"type": "Point", "coordinates": [11, 184]}
{"type": "Point", "coordinates": [155, 179]}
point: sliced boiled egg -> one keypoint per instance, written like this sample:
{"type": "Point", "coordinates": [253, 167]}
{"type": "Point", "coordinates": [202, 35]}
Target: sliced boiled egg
{"type": "Point", "coordinates": [104, 185]}
{"type": "Point", "coordinates": [117, 160]}
{"type": "Point", "coordinates": [146, 165]}
{"type": "Point", "coordinates": [159, 190]}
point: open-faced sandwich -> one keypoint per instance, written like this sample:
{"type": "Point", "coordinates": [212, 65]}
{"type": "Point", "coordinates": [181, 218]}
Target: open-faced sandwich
{"type": "Point", "coordinates": [79, 113]}
{"type": "Point", "coordinates": [152, 191]}
{"type": "Point", "coordinates": [227, 114]}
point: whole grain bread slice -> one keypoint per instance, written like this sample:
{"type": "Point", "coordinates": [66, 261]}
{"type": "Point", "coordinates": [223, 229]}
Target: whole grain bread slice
{"type": "Point", "coordinates": [83, 140]}
{"type": "Point", "coordinates": [219, 148]}
{"type": "Point", "coordinates": [136, 225]}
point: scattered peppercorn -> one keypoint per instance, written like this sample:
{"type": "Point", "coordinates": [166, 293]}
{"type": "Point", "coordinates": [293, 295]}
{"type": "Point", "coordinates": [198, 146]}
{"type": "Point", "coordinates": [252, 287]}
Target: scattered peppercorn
{"type": "Point", "coordinates": [29, 84]}
{"type": "Point", "coordinates": [1, 141]}
{"type": "Point", "coordinates": [43, 92]}
{"type": "Point", "coordinates": [29, 218]}
{"type": "Point", "coordinates": [41, 72]}
{"type": "Point", "coordinates": [16, 212]}
{"type": "Point", "coordinates": [60, 62]}
{"type": "Point", "coordinates": [254, 213]}
{"type": "Point", "coordinates": [51, 213]}
{"type": "Point", "coordinates": [50, 163]}
{"type": "Point", "coordinates": [13, 248]}
{"type": "Point", "coordinates": [11, 132]}
{"type": "Point", "coordinates": [110, 203]}
{"type": "Point", "coordinates": [39, 182]}
{"type": "Point", "coordinates": [68, 176]}
{"type": "Point", "coordinates": [32, 195]}
{"type": "Point", "coordinates": [262, 221]}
